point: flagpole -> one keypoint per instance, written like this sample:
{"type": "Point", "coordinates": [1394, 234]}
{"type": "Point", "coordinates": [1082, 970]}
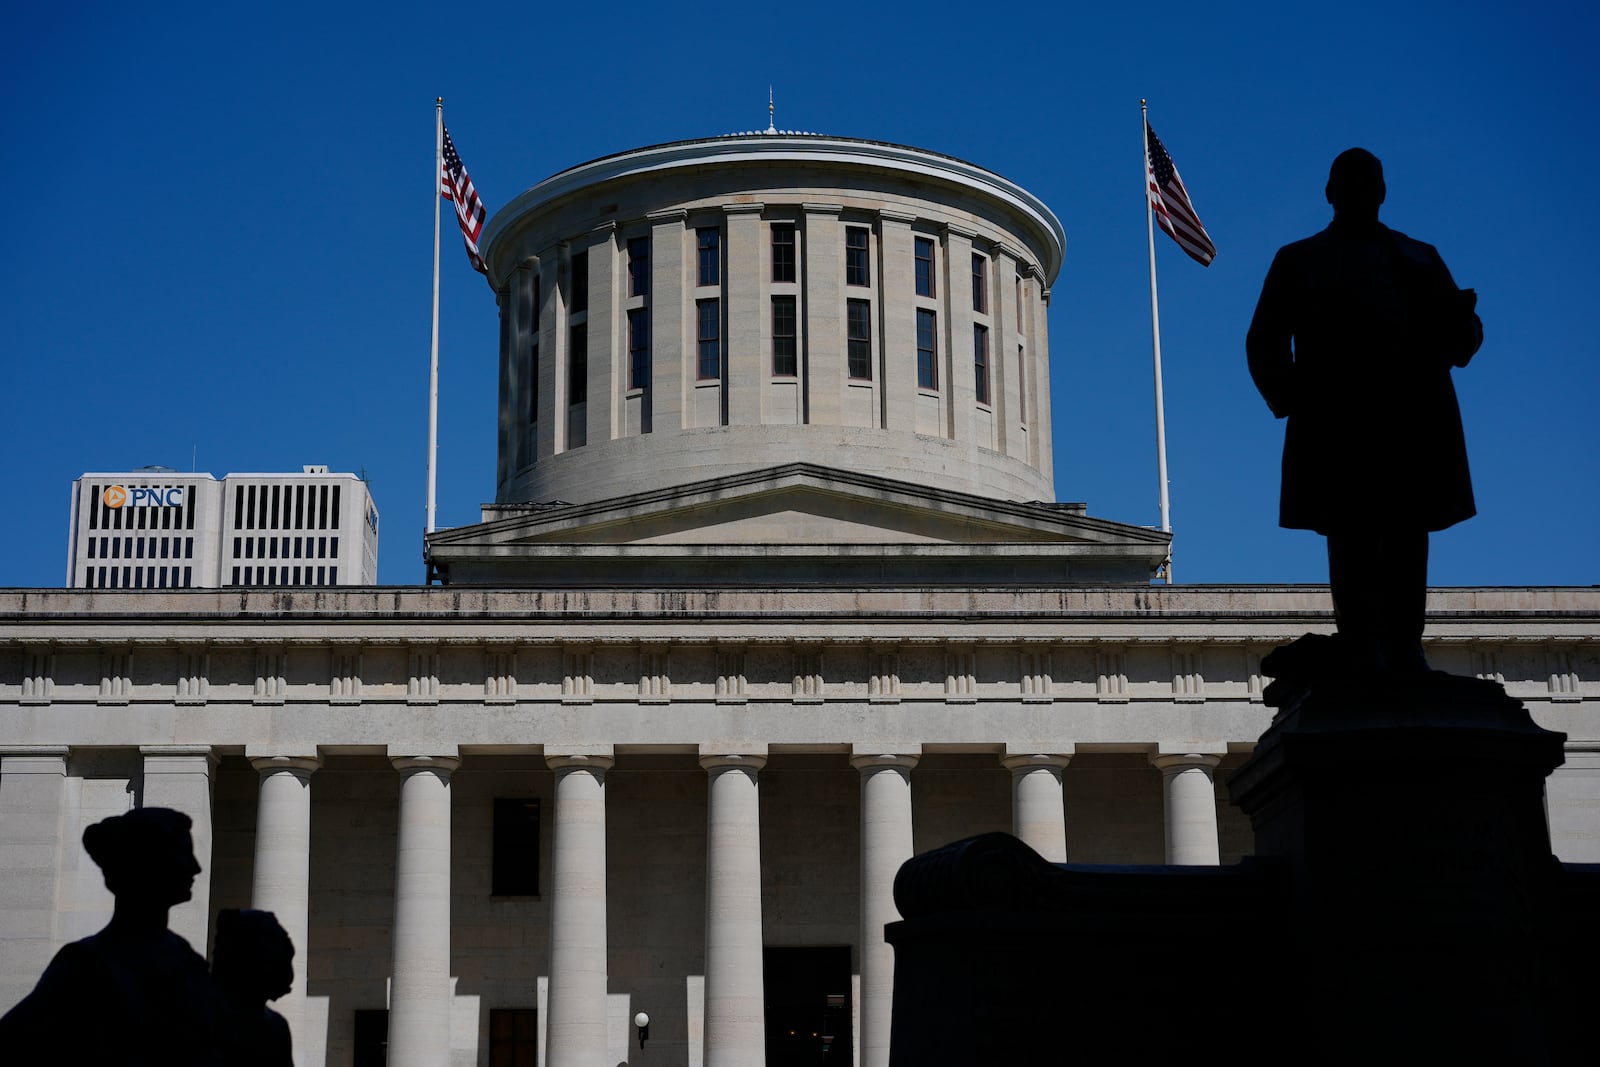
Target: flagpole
{"type": "Point", "coordinates": [1155, 334]}
{"type": "Point", "coordinates": [433, 360]}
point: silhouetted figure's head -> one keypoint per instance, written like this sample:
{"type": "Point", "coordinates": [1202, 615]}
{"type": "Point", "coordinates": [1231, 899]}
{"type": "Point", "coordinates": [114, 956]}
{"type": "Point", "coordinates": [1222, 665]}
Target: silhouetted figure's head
{"type": "Point", "coordinates": [253, 959]}
{"type": "Point", "coordinates": [146, 855]}
{"type": "Point", "coordinates": [1355, 184]}
{"type": "Point", "coordinates": [135, 992]}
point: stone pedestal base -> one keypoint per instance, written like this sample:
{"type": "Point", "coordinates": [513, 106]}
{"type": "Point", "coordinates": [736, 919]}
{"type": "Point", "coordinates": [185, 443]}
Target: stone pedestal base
{"type": "Point", "coordinates": [1422, 896]}
{"type": "Point", "coordinates": [1403, 907]}
{"type": "Point", "coordinates": [1003, 958]}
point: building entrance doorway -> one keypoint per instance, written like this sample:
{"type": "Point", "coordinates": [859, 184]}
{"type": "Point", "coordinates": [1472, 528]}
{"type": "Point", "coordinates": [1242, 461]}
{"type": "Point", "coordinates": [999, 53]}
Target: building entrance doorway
{"type": "Point", "coordinates": [808, 1007]}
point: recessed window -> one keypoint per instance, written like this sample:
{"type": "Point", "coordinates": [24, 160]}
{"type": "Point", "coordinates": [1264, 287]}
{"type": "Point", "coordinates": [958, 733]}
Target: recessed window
{"type": "Point", "coordinates": [516, 847]}
{"type": "Point", "coordinates": [708, 338]}
{"type": "Point", "coordinates": [927, 362]}
{"type": "Point", "coordinates": [578, 365]}
{"type": "Point", "coordinates": [533, 380]}
{"type": "Point", "coordinates": [708, 243]}
{"type": "Point", "coordinates": [579, 300]}
{"type": "Point", "coordinates": [1022, 386]}
{"type": "Point", "coordinates": [533, 357]}
{"type": "Point", "coordinates": [513, 1037]}
{"type": "Point", "coordinates": [980, 362]}
{"type": "Point", "coordinates": [782, 252]}
{"type": "Point", "coordinates": [371, 1038]}
{"type": "Point", "coordinates": [858, 330]}
{"type": "Point", "coordinates": [924, 265]}
{"type": "Point", "coordinates": [785, 350]}
{"type": "Point", "coordinates": [856, 271]}
{"type": "Point", "coordinates": [639, 266]}
{"type": "Point", "coordinates": [980, 284]}
{"type": "Point", "coordinates": [639, 348]}
{"type": "Point", "coordinates": [1021, 296]}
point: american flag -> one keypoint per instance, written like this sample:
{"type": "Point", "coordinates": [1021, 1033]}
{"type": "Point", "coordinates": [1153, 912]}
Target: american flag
{"type": "Point", "coordinates": [1170, 202]}
{"type": "Point", "coordinates": [455, 185]}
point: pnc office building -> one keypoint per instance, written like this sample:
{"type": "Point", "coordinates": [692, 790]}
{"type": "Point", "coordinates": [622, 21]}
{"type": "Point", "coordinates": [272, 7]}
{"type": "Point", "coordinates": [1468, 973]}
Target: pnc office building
{"type": "Point", "coordinates": [155, 528]}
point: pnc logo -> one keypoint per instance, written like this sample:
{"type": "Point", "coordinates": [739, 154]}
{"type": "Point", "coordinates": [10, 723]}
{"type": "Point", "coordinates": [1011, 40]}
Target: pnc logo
{"type": "Point", "coordinates": [141, 496]}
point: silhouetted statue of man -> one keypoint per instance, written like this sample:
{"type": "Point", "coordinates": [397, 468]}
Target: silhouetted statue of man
{"type": "Point", "coordinates": [1353, 340]}
{"type": "Point", "coordinates": [252, 963]}
{"type": "Point", "coordinates": [135, 993]}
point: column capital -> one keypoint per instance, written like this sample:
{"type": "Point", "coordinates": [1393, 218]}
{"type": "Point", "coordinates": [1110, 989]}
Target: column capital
{"type": "Point", "coordinates": [867, 762]}
{"type": "Point", "coordinates": [298, 764]}
{"type": "Point", "coordinates": [35, 759]}
{"type": "Point", "coordinates": [1177, 756]}
{"type": "Point", "coordinates": [180, 756]}
{"type": "Point", "coordinates": [1022, 762]}
{"type": "Point", "coordinates": [411, 764]}
{"type": "Point", "coordinates": [177, 750]}
{"type": "Point", "coordinates": [600, 759]}
{"type": "Point", "coordinates": [716, 761]}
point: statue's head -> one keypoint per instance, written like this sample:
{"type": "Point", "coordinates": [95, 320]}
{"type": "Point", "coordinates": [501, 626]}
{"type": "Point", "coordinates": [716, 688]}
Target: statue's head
{"type": "Point", "coordinates": [252, 954]}
{"type": "Point", "coordinates": [1355, 183]}
{"type": "Point", "coordinates": [146, 855]}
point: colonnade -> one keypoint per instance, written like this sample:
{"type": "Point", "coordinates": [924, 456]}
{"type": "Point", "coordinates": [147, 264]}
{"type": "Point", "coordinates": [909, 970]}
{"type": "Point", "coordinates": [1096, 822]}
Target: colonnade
{"type": "Point", "coordinates": [734, 1029]}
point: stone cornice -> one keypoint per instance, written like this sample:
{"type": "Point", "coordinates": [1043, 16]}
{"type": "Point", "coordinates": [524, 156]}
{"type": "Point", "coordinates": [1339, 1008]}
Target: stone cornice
{"type": "Point", "coordinates": [764, 150]}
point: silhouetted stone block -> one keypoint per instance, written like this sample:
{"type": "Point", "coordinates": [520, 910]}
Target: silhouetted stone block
{"type": "Point", "coordinates": [1003, 957]}
{"type": "Point", "coordinates": [1423, 897]}
{"type": "Point", "coordinates": [1403, 906]}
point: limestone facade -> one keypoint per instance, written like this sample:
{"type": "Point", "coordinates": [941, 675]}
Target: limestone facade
{"type": "Point", "coordinates": [717, 775]}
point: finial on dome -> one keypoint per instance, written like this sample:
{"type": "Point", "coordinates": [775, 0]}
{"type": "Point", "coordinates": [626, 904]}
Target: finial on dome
{"type": "Point", "coordinates": [771, 112]}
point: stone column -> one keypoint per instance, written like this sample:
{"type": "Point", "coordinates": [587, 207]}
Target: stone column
{"type": "Point", "coordinates": [735, 1021]}
{"type": "Point", "coordinates": [885, 845]}
{"type": "Point", "coordinates": [419, 991]}
{"type": "Point", "coordinates": [32, 806]}
{"type": "Point", "coordinates": [670, 316]}
{"type": "Point", "coordinates": [552, 318]}
{"type": "Point", "coordinates": [576, 1031]}
{"type": "Point", "coordinates": [281, 881]}
{"type": "Point", "coordinates": [1191, 804]}
{"type": "Point", "coordinates": [1038, 812]}
{"type": "Point", "coordinates": [898, 307]}
{"type": "Point", "coordinates": [954, 268]}
{"type": "Point", "coordinates": [826, 360]}
{"type": "Point", "coordinates": [179, 777]}
{"type": "Point", "coordinates": [745, 371]}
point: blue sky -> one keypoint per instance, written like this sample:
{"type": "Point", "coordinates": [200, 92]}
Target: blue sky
{"type": "Point", "coordinates": [220, 240]}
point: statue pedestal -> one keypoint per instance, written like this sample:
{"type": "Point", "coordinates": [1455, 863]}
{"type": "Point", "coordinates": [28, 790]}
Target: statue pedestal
{"type": "Point", "coordinates": [1422, 910]}
{"type": "Point", "coordinates": [1402, 907]}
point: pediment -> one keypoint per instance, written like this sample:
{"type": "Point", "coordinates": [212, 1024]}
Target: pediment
{"type": "Point", "coordinates": [793, 505]}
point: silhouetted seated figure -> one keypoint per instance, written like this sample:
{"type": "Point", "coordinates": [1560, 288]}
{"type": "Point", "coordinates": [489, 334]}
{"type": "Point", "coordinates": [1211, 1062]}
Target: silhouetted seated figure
{"type": "Point", "coordinates": [1353, 340]}
{"type": "Point", "coordinates": [135, 993]}
{"type": "Point", "coordinates": [252, 963]}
